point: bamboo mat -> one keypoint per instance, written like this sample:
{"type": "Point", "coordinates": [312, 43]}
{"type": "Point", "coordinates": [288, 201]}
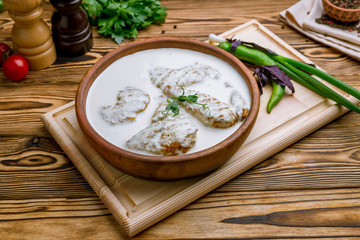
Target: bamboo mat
{"type": "Point", "coordinates": [137, 204]}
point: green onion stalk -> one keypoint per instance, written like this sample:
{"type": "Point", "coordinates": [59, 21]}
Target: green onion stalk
{"type": "Point", "coordinates": [296, 70]}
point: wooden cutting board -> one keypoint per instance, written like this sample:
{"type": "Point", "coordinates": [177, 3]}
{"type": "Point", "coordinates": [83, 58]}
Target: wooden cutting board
{"type": "Point", "coordinates": [137, 204]}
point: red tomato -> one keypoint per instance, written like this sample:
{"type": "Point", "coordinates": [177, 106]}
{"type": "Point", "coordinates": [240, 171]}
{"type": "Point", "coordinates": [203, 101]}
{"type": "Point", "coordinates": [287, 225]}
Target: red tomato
{"type": "Point", "coordinates": [15, 67]}
{"type": "Point", "coordinates": [5, 50]}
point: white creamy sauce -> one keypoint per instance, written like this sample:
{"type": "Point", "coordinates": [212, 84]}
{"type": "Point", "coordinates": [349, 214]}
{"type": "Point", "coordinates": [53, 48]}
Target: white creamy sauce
{"type": "Point", "coordinates": [130, 103]}
{"type": "Point", "coordinates": [133, 71]}
{"type": "Point", "coordinates": [165, 131]}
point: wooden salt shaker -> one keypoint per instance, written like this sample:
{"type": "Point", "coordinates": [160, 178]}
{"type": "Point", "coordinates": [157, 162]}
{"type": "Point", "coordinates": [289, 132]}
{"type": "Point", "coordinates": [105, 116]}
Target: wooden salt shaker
{"type": "Point", "coordinates": [30, 35]}
{"type": "Point", "coordinates": [71, 29]}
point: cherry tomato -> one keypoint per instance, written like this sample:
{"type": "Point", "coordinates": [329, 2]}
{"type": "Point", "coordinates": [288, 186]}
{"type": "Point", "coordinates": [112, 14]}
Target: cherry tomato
{"type": "Point", "coordinates": [5, 51]}
{"type": "Point", "coordinates": [15, 67]}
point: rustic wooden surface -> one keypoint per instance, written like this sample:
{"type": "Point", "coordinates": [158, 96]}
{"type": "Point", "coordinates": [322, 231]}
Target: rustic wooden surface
{"type": "Point", "coordinates": [309, 190]}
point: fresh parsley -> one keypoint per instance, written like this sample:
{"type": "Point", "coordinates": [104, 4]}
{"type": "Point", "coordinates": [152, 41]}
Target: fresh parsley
{"type": "Point", "coordinates": [173, 104]}
{"type": "Point", "coordinates": [122, 19]}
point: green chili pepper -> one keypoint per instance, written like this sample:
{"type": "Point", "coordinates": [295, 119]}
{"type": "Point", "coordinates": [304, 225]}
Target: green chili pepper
{"type": "Point", "coordinates": [257, 57]}
{"type": "Point", "coordinates": [1, 6]}
{"type": "Point", "coordinates": [249, 55]}
{"type": "Point", "coordinates": [298, 71]}
{"type": "Point", "coordinates": [277, 94]}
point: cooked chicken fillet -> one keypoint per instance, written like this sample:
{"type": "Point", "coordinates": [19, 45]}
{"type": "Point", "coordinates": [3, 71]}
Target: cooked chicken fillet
{"type": "Point", "coordinates": [184, 76]}
{"type": "Point", "coordinates": [216, 113]}
{"type": "Point", "coordinates": [130, 102]}
{"type": "Point", "coordinates": [167, 135]}
{"type": "Point", "coordinates": [239, 105]}
{"type": "Point", "coordinates": [161, 113]}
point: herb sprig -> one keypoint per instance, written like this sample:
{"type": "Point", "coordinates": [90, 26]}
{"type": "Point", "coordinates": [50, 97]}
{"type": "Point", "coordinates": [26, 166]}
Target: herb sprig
{"type": "Point", "coordinates": [173, 104]}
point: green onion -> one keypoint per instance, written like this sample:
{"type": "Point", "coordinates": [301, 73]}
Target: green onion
{"type": "Point", "coordinates": [297, 70]}
{"type": "Point", "coordinates": [323, 75]}
{"type": "Point", "coordinates": [314, 84]}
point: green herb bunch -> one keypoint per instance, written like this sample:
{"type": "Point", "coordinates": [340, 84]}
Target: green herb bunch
{"type": "Point", "coordinates": [122, 19]}
{"type": "Point", "coordinates": [1, 6]}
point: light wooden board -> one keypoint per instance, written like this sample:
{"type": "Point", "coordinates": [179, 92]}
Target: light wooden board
{"type": "Point", "coordinates": [137, 204]}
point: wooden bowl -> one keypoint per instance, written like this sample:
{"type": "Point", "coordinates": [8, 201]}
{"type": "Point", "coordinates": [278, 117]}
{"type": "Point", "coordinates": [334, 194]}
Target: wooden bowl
{"type": "Point", "coordinates": [166, 167]}
{"type": "Point", "coordinates": [339, 13]}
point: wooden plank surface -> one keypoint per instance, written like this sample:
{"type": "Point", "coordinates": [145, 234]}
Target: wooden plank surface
{"type": "Point", "coordinates": [309, 190]}
{"type": "Point", "coordinates": [139, 204]}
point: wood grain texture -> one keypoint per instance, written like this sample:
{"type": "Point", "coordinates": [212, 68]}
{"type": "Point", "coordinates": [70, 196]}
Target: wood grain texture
{"type": "Point", "coordinates": [43, 196]}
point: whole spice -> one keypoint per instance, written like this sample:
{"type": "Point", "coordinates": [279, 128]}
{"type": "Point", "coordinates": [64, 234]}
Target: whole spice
{"type": "Point", "coordinates": [326, 20]}
{"type": "Point", "coordinates": [348, 4]}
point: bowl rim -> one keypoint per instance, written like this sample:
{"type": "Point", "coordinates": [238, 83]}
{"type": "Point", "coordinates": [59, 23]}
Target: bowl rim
{"type": "Point", "coordinates": [340, 8]}
{"type": "Point", "coordinates": [167, 42]}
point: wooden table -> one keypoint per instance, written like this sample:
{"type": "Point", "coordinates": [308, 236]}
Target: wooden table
{"type": "Point", "coordinates": [309, 190]}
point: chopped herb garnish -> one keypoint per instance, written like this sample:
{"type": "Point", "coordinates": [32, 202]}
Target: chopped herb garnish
{"type": "Point", "coordinates": [173, 105]}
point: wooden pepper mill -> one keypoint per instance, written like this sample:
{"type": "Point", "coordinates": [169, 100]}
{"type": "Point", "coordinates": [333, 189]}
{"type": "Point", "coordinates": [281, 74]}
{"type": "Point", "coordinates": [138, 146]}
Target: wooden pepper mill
{"type": "Point", "coordinates": [30, 35]}
{"type": "Point", "coordinates": [71, 29]}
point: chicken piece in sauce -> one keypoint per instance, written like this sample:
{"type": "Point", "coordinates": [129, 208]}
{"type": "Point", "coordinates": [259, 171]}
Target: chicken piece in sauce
{"type": "Point", "coordinates": [167, 135]}
{"type": "Point", "coordinates": [130, 102]}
